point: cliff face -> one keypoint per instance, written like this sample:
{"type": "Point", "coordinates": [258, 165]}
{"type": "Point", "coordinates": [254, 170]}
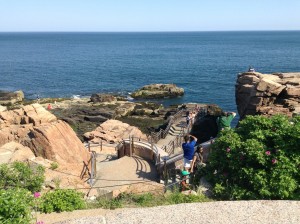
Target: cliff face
{"type": "Point", "coordinates": [33, 134]}
{"type": "Point", "coordinates": [37, 128]}
{"type": "Point", "coordinates": [268, 94]}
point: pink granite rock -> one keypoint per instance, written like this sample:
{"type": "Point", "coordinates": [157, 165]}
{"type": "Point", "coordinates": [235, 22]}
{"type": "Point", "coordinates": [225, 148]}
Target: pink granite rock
{"type": "Point", "coordinates": [268, 94]}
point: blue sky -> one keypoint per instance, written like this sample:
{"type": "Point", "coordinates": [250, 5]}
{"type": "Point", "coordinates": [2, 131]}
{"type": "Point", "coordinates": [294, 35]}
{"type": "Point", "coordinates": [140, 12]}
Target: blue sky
{"type": "Point", "coordinates": [149, 15]}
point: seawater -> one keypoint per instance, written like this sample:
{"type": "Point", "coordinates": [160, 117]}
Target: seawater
{"type": "Point", "coordinates": [205, 64]}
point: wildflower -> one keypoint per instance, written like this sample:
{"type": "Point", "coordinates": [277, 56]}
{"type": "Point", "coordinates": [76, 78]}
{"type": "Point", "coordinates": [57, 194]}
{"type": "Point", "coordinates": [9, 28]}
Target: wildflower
{"type": "Point", "coordinates": [228, 149]}
{"type": "Point", "coordinates": [37, 194]}
{"type": "Point", "coordinates": [268, 153]}
{"type": "Point", "coordinates": [274, 161]}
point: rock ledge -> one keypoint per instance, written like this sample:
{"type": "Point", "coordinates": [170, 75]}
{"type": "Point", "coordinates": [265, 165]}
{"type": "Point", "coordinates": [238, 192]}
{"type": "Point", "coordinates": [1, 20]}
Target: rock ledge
{"type": "Point", "coordinates": [155, 91]}
{"type": "Point", "coordinates": [268, 94]}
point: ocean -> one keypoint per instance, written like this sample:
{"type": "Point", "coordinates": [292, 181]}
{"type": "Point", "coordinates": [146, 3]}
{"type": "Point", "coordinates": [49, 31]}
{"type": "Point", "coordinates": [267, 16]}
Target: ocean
{"type": "Point", "coordinates": [205, 64]}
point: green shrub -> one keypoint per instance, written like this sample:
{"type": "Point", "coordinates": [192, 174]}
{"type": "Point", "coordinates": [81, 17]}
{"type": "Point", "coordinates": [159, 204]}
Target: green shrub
{"type": "Point", "coordinates": [258, 160]}
{"type": "Point", "coordinates": [15, 206]}
{"type": "Point", "coordinates": [54, 166]}
{"type": "Point", "coordinates": [62, 200]}
{"type": "Point", "coordinates": [107, 203]}
{"type": "Point", "coordinates": [144, 200]}
{"type": "Point", "coordinates": [21, 175]}
{"type": "Point", "coordinates": [177, 198]}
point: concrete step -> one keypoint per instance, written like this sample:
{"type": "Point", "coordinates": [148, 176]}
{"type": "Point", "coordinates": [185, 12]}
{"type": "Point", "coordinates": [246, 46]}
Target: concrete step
{"type": "Point", "coordinates": [174, 132]}
{"type": "Point", "coordinates": [175, 128]}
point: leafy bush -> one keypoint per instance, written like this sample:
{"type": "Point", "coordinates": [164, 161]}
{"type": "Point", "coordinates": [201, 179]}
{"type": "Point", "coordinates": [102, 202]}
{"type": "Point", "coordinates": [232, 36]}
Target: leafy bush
{"type": "Point", "coordinates": [21, 175]}
{"type": "Point", "coordinates": [258, 160]}
{"type": "Point", "coordinates": [62, 200]}
{"type": "Point", "coordinates": [15, 206]}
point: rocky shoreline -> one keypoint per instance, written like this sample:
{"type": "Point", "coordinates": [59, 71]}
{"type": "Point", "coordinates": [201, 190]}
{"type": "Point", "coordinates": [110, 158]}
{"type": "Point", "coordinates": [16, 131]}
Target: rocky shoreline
{"type": "Point", "coordinates": [52, 130]}
{"type": "Point", "coordinates": [85, 114]}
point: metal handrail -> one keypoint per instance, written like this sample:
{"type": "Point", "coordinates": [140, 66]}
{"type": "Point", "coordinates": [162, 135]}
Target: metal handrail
{"type": "Point", "coordinates": [93, 174]}
{"type": "Point", "coordinates": [156, 136]}
{"type": "Point", "coordinates": [170, 147]}
{"type": "Point", "coordinates": [150, 145]}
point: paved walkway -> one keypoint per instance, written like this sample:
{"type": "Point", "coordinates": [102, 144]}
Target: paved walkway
{"type": "Point", "coordinates": [115, 174]}
{"type": "Point", "coordinates": [225, 212]}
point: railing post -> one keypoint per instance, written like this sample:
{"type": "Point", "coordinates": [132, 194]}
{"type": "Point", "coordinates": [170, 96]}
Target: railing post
{"type": "Point", "coordinates": [101, 145]}
{"type": "Point", "coordinates": [95, 165]}
{"type": "Point", "coordinates": [173, 143]}
{"type": "Point", "coordinates": [123, 147]}
{"type": "Point", "coordinates": [152, 149]}
{"type": "Point", "coordinates": [165, 172]}
{"type": "Point", "coordinates": [132, 146]}
{"type": "Point", "coordinates": [89, 146]}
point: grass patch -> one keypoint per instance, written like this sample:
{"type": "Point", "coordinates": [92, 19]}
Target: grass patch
{"type": "Point", "coordinates": [146, 200]}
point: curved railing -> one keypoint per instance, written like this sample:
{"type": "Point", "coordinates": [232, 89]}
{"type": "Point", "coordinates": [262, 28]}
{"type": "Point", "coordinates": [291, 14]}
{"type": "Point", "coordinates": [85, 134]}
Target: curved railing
{"type": "Point", "coordinates": [90, 145]}
{"type": "Point", "coordinates": [141, 142]}
{"type": "Point", "coordinates": [162, 155]}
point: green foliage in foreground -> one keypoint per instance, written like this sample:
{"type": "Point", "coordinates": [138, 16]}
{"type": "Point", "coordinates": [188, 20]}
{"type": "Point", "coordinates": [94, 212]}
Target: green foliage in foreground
{"type": "Point", "coordinates": [15, 206]}
{"type": "Point", "coordinates": [62, 200]}
{"type": "Point", "coordinates": [21, 175]}
{"type": "Point", "coordinates": [146, 200]}
{"type": "Point", "coordinates": [258, 160]}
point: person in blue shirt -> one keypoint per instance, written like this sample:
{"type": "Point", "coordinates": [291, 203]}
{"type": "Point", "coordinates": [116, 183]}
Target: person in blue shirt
{"type": "Point", "coordinates": [188, 150]}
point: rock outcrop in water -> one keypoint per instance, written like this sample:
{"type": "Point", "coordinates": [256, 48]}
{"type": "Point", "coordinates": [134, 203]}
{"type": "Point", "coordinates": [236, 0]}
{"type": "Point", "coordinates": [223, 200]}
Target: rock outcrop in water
{"type": "Point", "coordinates": [155, 91]}
{"type": "Point", "coordinates": [10, 98]}
{"type": "Point", "coordinates": [268, 94]}
{"type": "Point", "coordinates": [100, 97]}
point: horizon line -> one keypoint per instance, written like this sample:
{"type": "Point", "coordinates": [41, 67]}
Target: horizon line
{"type": "Point", "coordinates": [174, 31]}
